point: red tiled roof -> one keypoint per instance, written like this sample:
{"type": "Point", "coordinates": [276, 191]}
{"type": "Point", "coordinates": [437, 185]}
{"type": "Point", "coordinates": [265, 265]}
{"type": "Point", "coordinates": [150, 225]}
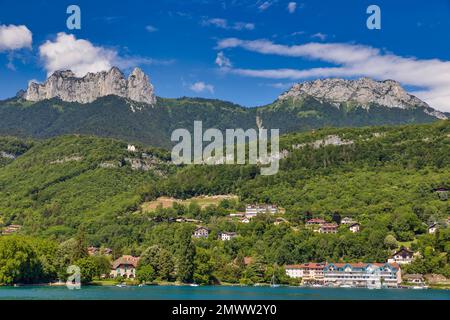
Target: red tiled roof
{"type": "Point", "coordinates": [316, 220]}
{"type": "Point", "coordinates": [364, 264]}
{"type": "Point", "coordinates": [126, 260]}
{"type": "Point", "coordinates": [306, 266]}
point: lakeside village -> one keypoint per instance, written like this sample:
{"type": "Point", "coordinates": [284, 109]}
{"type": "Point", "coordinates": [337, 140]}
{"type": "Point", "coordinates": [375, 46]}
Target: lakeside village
{"type": "Point", "coordinates": [325, 274]}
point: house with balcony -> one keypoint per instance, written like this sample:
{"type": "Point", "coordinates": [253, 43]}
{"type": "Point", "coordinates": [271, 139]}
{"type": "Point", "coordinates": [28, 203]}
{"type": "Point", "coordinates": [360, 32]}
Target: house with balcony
{"type": "Point", "coordinates": [254, 210]}
{"type": "Point", "coordinates": [309, 272]}
{"type": "Point", "coordinates": [355, 227]}
{"type": "Point", "coordinates": [244, 220]}
{"type": "Point", "coordinates": [348, 221]}
{"type": "Point", "coordinates": [227, 236]}
{"type": "Point", "coordinates": [363, 274]}
{"type": "Point", "coordinates": [414, 279]}
{"type": "Point", "coordinates": [315, 222]}
{"type": "Point", "coordinates": [402, 256]}
{"type": "Point", "coordinates": [328, 228]}
{"type": "Point", "coordinates": [201, 232]}
{"type": "Point", "coordinates": [125, 267]}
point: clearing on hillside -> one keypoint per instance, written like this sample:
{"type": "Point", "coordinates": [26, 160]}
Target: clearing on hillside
{"type": "Point", "coordinates": [202, 201]}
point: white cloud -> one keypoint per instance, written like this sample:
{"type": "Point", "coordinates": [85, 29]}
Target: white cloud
{"type": "Point", "coordinates": [81, 56]}
{"type": "Point", "coordinates": [432, 76]}
{"type": "Point", "coordinates": [224, 24]}
{"type": "Point", "coordinates": [15, 37]}
{"type": "Point", "coordinates": [223, 61]}
{"type": "Point", "coordinates": [291, 7]}
{"type": "Point", "coordinates": [200, 86]}
{"type": "Point", "coordinates": [78, 55]}
{"type": "Point", "coordinates": [150, 28]}
{"type": "Point", "coordinates": [265, 6]}
{"type": "Point", "coordinates": [320, 36]}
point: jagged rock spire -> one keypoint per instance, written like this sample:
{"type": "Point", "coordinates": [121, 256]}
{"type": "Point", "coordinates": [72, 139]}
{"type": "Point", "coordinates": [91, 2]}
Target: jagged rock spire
{"type": "Point", "coordinates": [66, 86]}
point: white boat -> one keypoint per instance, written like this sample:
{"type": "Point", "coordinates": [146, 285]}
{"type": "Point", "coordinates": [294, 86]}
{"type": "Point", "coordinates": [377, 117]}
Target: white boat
{"type": "Point", "coordinates": [121, 285]}
{"type": "Point", "coordinates": [345, 286]}
{"type": "Point", "coordinates": [193, 285]}
{"type": "Point", "coordinates": [419, 287]}
{"type": "Point", "coordinates": [317, 285]}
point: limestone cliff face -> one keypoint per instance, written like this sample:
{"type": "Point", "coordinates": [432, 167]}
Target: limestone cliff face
{"type": "Point", "coordinates": [66, 86]}
{"type": "Point", "coordinates": [364, 91]}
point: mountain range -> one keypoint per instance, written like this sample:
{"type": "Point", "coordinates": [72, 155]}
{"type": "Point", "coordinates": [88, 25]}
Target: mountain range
{"type": "Point", "coordinates": [108, 104]}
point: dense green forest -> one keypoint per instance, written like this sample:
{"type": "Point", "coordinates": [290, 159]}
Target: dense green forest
{"type": "Point", "coordinates": [383, 177]}
{"type": "Point", "coordinates": [115, 117]}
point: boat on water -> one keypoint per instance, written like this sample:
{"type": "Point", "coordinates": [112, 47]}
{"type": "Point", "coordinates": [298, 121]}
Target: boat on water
{"type": "Point", "coordinates": [194, 285]}
{"type": "Point", "coordinates": [419, 287]}
{"type": "Point", "coordinates": [121, 285]}
{"type": "Point", "coordinates": [345, 286]}
{"type": "Point", "coordinates": [316, 285]}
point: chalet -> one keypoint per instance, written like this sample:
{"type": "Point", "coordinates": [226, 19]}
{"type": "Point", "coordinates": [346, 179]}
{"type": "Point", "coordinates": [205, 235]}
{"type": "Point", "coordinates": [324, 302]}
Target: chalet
{"type": "Point", "coordinates": [433, 228]}
{"type": "Point", "coordinates": [328, 228]}
{"type": "Point", "coordinates": [355, 227]}
{"type": "Point", "coordinates": [11, 229]}
{"type": "Point", "coordinates": [348, 221]}
{"type": "Point", "coordinates": [244, 220]}
{"type": "Point", "coordinates": [362, 274]}
{"type": "Point", "coordinates": [125, 267]}
{"type": "Point", "coordinates": [279, 221]}
{"type": "Point", "coordinates": [227, 236]}
{"type": "Point", "coordinates": [254, 210]}
{"type": "Point", "coordinates": [416, 279]}
{"type": "Point", "coordinates": [201, 232]}
{"type": "Point", "coordinates": [402, 256]}
{"type": "Point", "coordinates": [309, 272]}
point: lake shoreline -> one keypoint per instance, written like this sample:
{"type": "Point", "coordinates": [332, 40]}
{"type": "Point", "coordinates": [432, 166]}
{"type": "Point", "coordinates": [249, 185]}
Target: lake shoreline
{"type": "Point", "coordinates": [187, 292]}
{"type": "Point", "coordinates": [177, 284]}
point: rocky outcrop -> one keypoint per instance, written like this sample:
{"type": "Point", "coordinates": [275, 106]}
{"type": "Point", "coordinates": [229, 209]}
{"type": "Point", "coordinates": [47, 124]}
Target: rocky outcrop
{"type": "Point", "coordinates": [364, 92]}
{"type": "Point", "coordinates": [66, 86]}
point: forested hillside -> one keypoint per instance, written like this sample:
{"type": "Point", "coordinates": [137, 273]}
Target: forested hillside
{"type": "Point", "coordinates": [383, 177]}
{"type": "Point", "coordinates": [116, 117]}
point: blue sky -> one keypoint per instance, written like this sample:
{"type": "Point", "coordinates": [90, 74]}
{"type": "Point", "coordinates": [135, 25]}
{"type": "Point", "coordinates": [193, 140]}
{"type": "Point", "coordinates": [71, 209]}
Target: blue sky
{"type": "Point", "coordinates": [246, 51]}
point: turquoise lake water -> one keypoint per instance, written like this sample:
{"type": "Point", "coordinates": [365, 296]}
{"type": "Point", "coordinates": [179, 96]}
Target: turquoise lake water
{"type": "Point", "coordinates": [216, 292]}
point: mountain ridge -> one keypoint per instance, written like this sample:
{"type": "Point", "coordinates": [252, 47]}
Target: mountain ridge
{"type": "Point", "coordinates": [70, 88]}
{"type": "Point", "coordinates": [301, 108]}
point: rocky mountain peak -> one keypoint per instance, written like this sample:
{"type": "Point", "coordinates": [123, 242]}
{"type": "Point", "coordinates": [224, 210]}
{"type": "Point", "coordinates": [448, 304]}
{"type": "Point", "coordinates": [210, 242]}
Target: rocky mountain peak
{"type": "Point", "coordinates": [364, 91]}
{"type": "Point", "coordinates": [68, 87]}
